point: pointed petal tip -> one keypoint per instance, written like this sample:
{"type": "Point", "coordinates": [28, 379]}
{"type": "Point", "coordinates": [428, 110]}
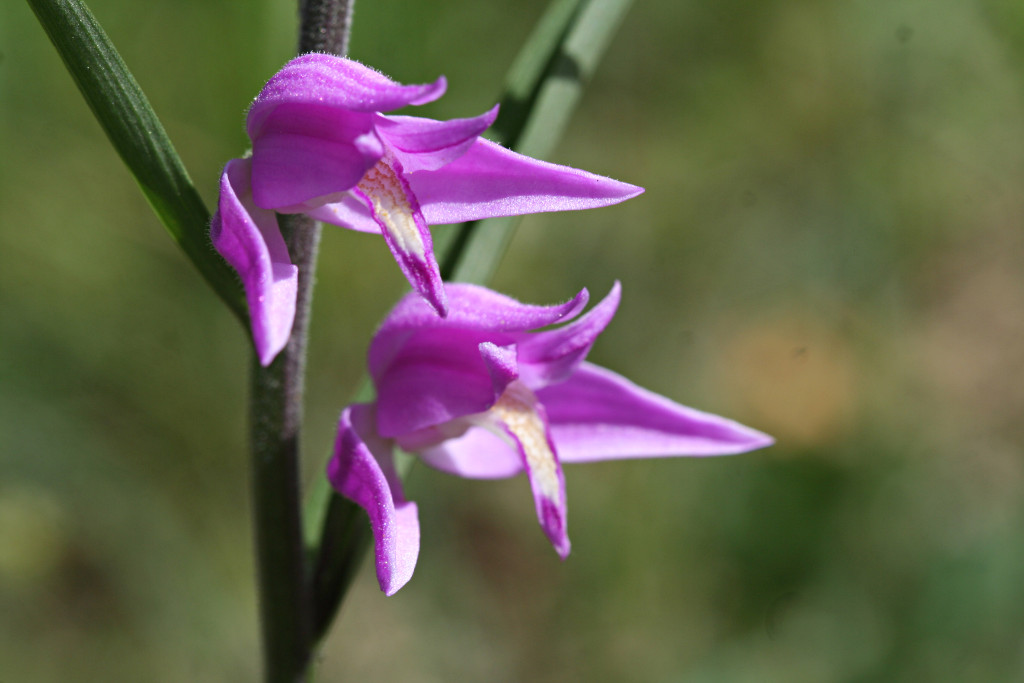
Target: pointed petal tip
{"type": "Point", "coordinates": [437, 299]}
{"type": "Point", "coordinates": [552, 517]}
{"type": "Point", "coordinates": [759, 440]}
{"type": "Point", "coordinates": [492, 114]}
{"type": "Point", "coordinates": [432, 91]}
{"type": "Point", "coordinates": [577, 303]}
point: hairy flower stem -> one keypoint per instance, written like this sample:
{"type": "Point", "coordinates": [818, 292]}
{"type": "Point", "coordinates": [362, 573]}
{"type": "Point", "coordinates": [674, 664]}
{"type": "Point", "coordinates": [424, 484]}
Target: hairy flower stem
{"type": "Point", "coordinates": [277, 409]}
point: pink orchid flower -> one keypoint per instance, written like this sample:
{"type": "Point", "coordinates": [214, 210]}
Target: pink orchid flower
{"type": "Point", "coordinates": [322, 146]}
{"type": "Point", "coordinates": [483, 394]}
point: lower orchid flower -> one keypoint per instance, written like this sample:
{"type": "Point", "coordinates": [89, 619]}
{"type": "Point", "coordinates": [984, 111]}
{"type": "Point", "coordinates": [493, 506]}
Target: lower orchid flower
{"type": "Point", "coordinates": [321, 146]}
{"type": "Point", "coordinates": [486, 393]}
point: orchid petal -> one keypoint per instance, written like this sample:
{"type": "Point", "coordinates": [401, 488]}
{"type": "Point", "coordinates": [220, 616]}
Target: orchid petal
{"type": "Point", "coordinates": [476, 454]}
{"type": "Point", "coordinates": [305, 152]}
{"type": "Point", "coordinates": [599, 415]}
{"type": "Point", "coordinates": [427, 145]}
{"type": "Point", "coordinates": [501, 364]}
{"type": "Point", "coordinates": [396, 210]}
{"type": "Point", "coordinates": [350, 212]}
{"type": "Point", "coordinates": [429, 370]}
{"type": "Point", "coordinates": [362, 470]}
{"type": "Point", "coordinates": [524, 420]}
{"type": "Point", "coordinates": [437, 376]}
{"type": "Point", "coordinates": [250, 240]}
{"type": "Point", "coordinates": [553, 355]}
{"type": "Point", "coordinates": [336, 82]}
{"type": "Point", "coordinates": [492, 316]}
{"type": "Point", "coordinates": [489, 180]}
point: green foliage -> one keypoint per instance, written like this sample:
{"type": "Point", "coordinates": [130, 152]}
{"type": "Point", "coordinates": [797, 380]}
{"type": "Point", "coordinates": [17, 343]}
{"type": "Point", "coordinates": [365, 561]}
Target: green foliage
{"type": "Point", "coordinates": [829, 249]}
{"type": "Point", "coordinates": [133, 128]}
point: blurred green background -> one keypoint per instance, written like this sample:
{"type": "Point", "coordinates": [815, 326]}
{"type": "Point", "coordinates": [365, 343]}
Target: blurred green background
{"type": "Point", "coordinates": [829, 250]}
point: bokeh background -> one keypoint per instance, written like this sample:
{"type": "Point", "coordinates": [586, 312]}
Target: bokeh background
{"type": "Point", "coordinates": [829, 250]}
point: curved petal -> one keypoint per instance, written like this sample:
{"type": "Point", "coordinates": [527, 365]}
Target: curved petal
{"type": "Point", "coordinates": [489, 180]}
{"type": "Point", "coordinates": [338, 83]}
{"type": "Point", "coordinates": [425, 144]}
{"type": "Point", "coordinates": [362, 470]}
{"type": "Point", "coordinates": [470, 308]}
{"type": "Point", "coordinates": [599, 415]}
{"type": "Point", "coordinates": [477, 454]}
{"type": "Point", "coordinates": [350, 212]}
{"type": "Point", "coordinates": [525, 422]}
{"type": "Point", "coordinates": [502, 365]}
{"type": "Point", "coordinates": [250, 240]}
{"type": "Point", "coordinates": [430, 370]}
{"type": "Point", "coordinates": [551, 356]}
{"type": "Point", "coordinates": [308, 151]}
{"type": "Point", "coordinates": [434, 376]}
{"type": "Point", "coordinates": [395, 209]}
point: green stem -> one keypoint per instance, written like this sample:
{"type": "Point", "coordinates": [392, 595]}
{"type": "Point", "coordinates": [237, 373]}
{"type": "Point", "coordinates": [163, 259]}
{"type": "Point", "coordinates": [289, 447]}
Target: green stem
{"type": "Point", "coordinates": [281, 573]}
{"type": "Point", "coordinates": [286, 612]}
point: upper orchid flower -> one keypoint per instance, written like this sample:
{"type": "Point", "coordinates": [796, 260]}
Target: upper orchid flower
{"type": "Point", "coordinates": [321, 146]}
{"type": "Point", "coordinates": [481, 394]}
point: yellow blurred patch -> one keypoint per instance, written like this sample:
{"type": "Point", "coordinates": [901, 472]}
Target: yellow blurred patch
{"type": "Point", "coordinates": [794, 378]}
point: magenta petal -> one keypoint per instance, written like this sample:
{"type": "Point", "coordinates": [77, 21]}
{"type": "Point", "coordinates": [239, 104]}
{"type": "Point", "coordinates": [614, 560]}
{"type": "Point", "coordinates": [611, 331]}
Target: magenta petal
{"type": "Point", "coordinates": [489, 180]}
{"type": "Point", "coordinates": [350, 212]}
{"type": "Point", "coordinates": [250, 240]}
{"type": "Point", "coordinates": [395, 209]}
{"type": "Point", "coordinates": [425, 144]}
{"type": "Point", "coordinates": [599, 415]}
{"type": "Point", "coordinates": [551, 356]}
{"type": "Point", "coordinates": [336, 82]}
{"type": "Point", "coordinates": [472, 309]}
{"type": "Point", "coordinates": [502, 365]}
{"type": "Point", "coordinates": [305, 152]}
{"type": "Point", "coordinates": [435, 376]}
{"type": "Point", "coordinates": [477, 454]}
{"type": "Point", "coordinates": [429, 370]}
{"type": "Point", "coordinates": [525, 422]}
{"type": "Point", "coordinates": [362, 470]}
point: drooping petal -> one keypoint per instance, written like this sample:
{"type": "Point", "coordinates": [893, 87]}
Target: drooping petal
{"type": "Point", "coordinates": [336, 82]}
{"type": "Point", "coordinates": [553, 355]}
{"type": "Point", "coordinates": [599, 415]}
{"type": "Point", "coordinates": [362, 470]}
{"type": "Point", "coordinates": [394, 207]}
{"type": "Point", "coordinates": [523, 419]}
{"type": "Point", "coordinates": [306, 152]}
{"type": "Point", "coordinates": [489, 180]}
{"type": "Point", "coordinates": [250, 240]}
{"type": "Point", "coordinates": [425, 144]}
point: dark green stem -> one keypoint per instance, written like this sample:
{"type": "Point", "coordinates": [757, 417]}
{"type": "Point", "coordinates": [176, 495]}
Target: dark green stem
{"type": "Point", "coordinates": [281, 573]}
{"type": "Point", "coordinates": [325, 26]}
{"type": "Point", "coordinates": [286, 607]}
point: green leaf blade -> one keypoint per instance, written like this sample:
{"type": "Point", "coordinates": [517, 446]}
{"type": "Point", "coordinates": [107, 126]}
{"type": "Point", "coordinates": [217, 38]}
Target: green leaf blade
{"type": "Point", "coordinates": [131, 125]}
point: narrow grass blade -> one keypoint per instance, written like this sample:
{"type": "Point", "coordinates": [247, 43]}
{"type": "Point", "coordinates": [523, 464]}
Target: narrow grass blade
{"type": "Point", "coordinates": [133, 128]}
